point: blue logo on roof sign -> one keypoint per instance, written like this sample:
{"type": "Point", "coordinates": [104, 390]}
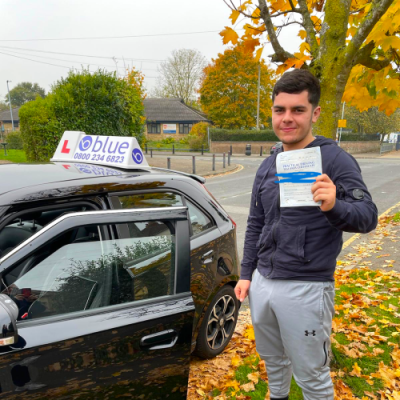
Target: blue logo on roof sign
{"type": "Point", "coordinates": [85, 143]}
{"type": "Point", "coordinates": [137, 156]}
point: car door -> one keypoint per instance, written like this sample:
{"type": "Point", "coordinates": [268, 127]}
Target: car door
{"type": "Point", "coordinates": [204, 238]}
{"type": "Point", "coordinates": [101, 317]}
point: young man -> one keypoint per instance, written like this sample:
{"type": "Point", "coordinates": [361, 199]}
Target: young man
{"type": "Point", "coordinates": [292, 250]}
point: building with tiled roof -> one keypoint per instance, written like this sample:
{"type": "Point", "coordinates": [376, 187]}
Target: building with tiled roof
{"type": "Point", "coordinates": [5, 120]}
{"type": "Point", "coordinates": [170, 117]}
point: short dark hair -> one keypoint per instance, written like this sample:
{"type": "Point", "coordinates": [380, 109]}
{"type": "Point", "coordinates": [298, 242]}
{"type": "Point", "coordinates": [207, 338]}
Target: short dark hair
{"type": "Point", "coordinates": [298, 81]}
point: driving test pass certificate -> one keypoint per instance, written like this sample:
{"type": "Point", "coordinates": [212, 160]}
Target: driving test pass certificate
{"type": "Point", "coordinates": [296, 171]}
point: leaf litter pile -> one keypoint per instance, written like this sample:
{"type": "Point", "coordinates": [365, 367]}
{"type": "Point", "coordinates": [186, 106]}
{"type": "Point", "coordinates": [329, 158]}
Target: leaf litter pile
{"type": "Point", "coordinates": [365, 337]}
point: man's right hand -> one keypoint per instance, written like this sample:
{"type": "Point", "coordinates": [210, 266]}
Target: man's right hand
{"type": "Point", "coordinates": [242, 289]}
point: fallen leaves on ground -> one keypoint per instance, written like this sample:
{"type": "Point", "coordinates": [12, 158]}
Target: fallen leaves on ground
{"type": "Point", "coordinates": [365, 334]}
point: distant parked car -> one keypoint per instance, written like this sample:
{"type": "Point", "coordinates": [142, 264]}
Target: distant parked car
{"type": "Point", "coordinates": [276, 146]}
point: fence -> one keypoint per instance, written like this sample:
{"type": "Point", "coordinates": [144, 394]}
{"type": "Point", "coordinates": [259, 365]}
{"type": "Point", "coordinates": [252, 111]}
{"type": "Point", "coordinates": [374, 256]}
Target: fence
{"type": "Point", "coordinates": [174, 150]}
{"type": "Point", "coordinates": [225, 158]}
{"type": "Point", "coordinates": [387, 147]}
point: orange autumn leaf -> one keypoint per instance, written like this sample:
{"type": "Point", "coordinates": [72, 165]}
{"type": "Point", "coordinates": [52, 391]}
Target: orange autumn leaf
{"type": "Point", "coordinates": [234, 16]}
{"type": "Point", "coordinates": [229, 35]}
{"type": "Point", "coordinates": [356, 370]}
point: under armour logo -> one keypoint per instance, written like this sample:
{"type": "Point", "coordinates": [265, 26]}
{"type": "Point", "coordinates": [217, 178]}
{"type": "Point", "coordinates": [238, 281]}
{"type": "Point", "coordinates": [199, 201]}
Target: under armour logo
{"type": "Point", "coordinates": [309, 333]}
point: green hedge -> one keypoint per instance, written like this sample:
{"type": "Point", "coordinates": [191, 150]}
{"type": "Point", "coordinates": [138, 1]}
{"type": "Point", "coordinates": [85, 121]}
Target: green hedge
{"type": "Point", "coordinates": [242, 135]}
{"type": "Point", "coordinates": [268, 135]}
{"type": "Point", "coordinates": [348, 137]}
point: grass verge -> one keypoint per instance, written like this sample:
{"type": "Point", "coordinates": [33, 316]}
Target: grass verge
{"type": "Point", "coordinates": [16, 156]}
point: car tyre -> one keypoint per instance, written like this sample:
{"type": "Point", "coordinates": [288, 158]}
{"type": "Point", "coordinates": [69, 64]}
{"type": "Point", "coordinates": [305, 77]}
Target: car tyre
{"type": "Point", "coordinates": [218, 324]}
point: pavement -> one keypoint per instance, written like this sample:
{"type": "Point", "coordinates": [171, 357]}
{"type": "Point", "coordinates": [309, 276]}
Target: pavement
{"type": "Point", "coordinates": [379, 249]}
{"type": "Point", "coordinates": [185, 164]}
{"type": "Point", "coordinates": [394, 155]}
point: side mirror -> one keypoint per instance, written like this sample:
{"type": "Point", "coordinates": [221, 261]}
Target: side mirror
{"type": "Point", "coordinates": [8, 321]}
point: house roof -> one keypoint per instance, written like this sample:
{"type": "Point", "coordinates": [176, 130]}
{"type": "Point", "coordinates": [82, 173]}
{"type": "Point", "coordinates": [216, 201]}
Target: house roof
{"type": "Point", "coordinates": [171, 110]}
{"type": "Point", "coordinates": [5, 116]}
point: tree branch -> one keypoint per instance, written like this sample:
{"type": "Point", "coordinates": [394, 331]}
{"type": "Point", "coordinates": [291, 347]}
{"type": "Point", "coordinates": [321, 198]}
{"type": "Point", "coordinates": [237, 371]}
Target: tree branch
{"type": "Point", "coordinates": [288, 23]}
{"type": "Point", "coordinates": [309, 27]}
{"type": "Point", "coordinates": [379, 7]}
{"type": "Point", "coordinates": [364, 58]}
{"type": "Point", "coordinates": [234, 8]}
{"type": "Point", "coordinates": [284, 13]}
{"type": "Point", "coordinates": [280, 55]}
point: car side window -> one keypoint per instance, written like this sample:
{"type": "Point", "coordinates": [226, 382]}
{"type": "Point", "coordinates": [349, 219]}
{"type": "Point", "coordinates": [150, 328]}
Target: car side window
{"type": "Point", "coordinates": [26, 225]}
{"type": "Point", "coordinates": [199, 220]}
{"type": "Point", "coordinates": [80, 270]}
{"type": "Point", "coordinates": [151, 200]}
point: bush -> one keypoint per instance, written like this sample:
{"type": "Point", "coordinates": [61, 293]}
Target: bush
{"type": "Point", "coordinates": [195, 142]}
{"type": "Point", "coordinates": [200, 129]}
{"type": "Point", "coordinates": [40, 129]}
{"type": "Point", "coordinates": [96, 103]}
{"type": "Point", "coordinates": [243, 135]}
{"type": "Point", "coordinates": [198, 136]}
{"type": "Point", "coordinates": [184, 140]}
{"type": "Point", "coordinates": [168, 140]}
{"type": "Point", "coordinates": [14, 140]}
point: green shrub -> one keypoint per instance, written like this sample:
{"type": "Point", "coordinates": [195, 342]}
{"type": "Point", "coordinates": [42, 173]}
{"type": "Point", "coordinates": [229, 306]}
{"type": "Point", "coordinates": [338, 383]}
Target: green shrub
{"type": "Point", "coordinates": [195, 142]}
{"type": "Point", "coordinates": [242, 135]}
{"type": "Point", "coordinates": [14, 140]}
{"type": "Point", "coordinates": [168, 140]}
{"type": "Point", "coordinates": [96, 103]}
{"type": "Point", "coordinates": [40, 129]}
{"type": "Point", "coordinates": [184, 140]}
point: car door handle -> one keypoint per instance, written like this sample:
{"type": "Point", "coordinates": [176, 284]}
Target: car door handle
{"type": "Point", "coordinates": [159, 340]}
{"type": "Point", "coordinates": [208, 257]}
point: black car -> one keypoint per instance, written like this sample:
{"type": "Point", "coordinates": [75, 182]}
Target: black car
{"type": "Point", "coordinates": [110, 278]}
{"type": "Point", "coordinates": [276, 146]}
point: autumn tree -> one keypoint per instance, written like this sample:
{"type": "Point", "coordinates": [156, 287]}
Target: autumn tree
{"type": "Point", "coordinates": [352, 46]}
{"type": "Point", "coordinates": [372, 121]}
{"type": "Point", "coordinates": [228, 93]}
{"type": "Point", "coordinates": [180, 75]}
{"type": "Point", "coordinates": [24, 92]}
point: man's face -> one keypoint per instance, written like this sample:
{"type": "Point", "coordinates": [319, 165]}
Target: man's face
{"type": "Point", "coordinates": [292, 119]}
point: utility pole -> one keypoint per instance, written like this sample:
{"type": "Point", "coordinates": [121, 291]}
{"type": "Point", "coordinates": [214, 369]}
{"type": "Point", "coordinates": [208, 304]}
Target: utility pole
{"type": "Point", "coordinates": [340, 132]}
{"type": "Point", "coordinates": [9, 100]}
{"type": "Point", "coordinates": [258, 98]}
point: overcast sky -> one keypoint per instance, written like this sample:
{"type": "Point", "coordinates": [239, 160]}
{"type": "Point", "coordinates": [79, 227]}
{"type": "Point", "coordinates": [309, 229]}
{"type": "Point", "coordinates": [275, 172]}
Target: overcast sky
{"type": "Point", "coordinates": [25, 20]}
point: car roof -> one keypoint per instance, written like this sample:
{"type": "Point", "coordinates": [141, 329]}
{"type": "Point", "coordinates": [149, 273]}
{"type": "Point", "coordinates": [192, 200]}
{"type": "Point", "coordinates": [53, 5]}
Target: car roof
{"type": "Point", "coordinates": [19, 181]}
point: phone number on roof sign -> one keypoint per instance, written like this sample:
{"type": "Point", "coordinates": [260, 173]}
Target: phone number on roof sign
{"type": "Point", "coordinates": [99, 157]}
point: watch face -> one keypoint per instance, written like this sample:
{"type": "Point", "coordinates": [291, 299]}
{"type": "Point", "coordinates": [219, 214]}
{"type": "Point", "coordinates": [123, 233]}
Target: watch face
{"type": "Point", "coordinates": [358, 194]}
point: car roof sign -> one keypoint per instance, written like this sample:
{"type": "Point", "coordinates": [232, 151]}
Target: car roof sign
{"type": "Point", "coordinates": [116, 151]}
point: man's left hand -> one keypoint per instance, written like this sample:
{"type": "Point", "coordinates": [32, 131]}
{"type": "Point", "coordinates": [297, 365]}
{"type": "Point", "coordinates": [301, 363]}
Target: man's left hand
{"type": "Point", "coordinates": [324, 191]}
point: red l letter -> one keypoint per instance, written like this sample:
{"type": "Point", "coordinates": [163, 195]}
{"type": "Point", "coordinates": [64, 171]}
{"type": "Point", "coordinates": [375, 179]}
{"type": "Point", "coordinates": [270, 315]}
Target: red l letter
{"type": "Point", "coordinates": [65, 149]}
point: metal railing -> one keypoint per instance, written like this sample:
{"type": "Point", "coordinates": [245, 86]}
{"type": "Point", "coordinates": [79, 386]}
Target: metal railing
{"type": "Point", "coordinates": [174, 150]}
{"type": "Point", "coordinates": [387, 147]}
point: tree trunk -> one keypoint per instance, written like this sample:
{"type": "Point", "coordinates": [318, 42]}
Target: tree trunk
{"type": "Point", "coordinates": [332, 89]}
{"type": "Point", "coordinates": [331, 67]}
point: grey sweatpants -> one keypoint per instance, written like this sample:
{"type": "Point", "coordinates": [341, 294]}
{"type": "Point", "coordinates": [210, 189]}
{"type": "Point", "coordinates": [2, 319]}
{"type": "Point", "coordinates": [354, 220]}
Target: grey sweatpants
{"type": "Point", "coordinates": [292, 323]}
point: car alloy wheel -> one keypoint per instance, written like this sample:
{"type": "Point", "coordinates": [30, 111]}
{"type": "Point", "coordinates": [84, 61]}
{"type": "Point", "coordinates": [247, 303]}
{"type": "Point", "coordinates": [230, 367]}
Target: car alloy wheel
{"type": "Point", "coordinates": [221, 322]}
{"type": "Point", "coordinates": [218, 324]}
